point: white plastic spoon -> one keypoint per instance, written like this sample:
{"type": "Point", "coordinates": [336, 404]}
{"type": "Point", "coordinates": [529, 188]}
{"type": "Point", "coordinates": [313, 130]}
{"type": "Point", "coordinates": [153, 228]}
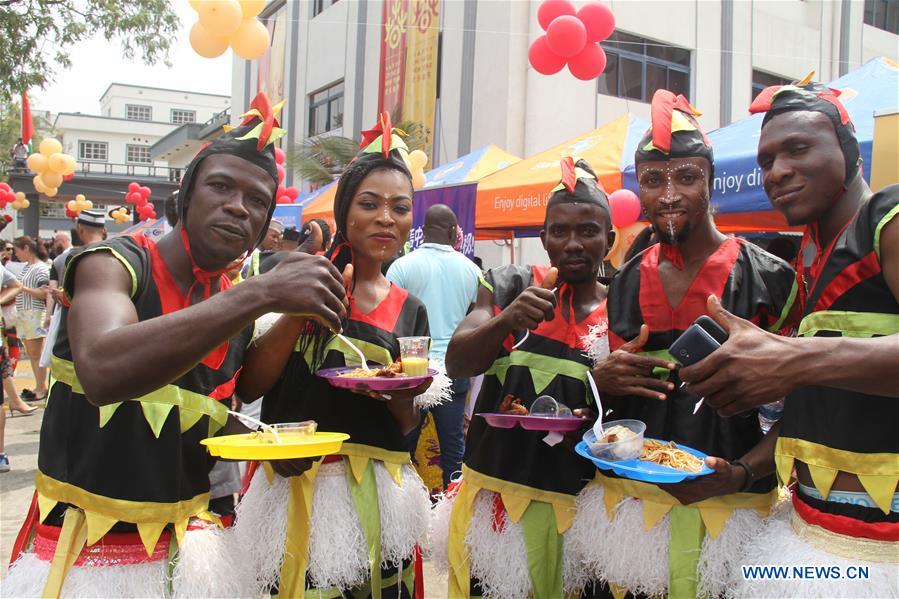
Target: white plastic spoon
{"type": "Point", "coordinates": [597, 426]}
{"type": "Point", "coordinates": [258, 423]}
{"type": "Point", "coordinates": [355, 349]}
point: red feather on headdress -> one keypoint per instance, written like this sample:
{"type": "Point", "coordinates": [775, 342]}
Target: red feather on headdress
{"type": "Point", "coordinates": [762, 102]}
{"type": "Point", "coordinates": [264, 106]}
{"type": "Point", "coordinates": [664, 103]}
{"type": "Point", "coordinates": [569, 179]}
{"type": "Point", "coordinates": [382, 128]}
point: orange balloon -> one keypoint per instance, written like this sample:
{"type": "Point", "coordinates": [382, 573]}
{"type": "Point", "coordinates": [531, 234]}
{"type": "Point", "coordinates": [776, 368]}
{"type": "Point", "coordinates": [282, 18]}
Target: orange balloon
{"type": "Point", "coordinates": [57, 163]}
{"type": "Point", "coordinates": [37, 163]}
{"type": "Point", "coordinates": [220, 17]}
{"type": "Point", "coordinates": [205, 44]}
{"type": "Point", "coordinates": [52, 178]}
{"type": "Point", "coordinates": [252, 8]}
{"type": "Point", "coordinates": [251, 40]}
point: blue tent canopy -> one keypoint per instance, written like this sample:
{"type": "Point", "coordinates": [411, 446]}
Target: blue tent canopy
{"type": "Point", "coordinates": [737, 188]}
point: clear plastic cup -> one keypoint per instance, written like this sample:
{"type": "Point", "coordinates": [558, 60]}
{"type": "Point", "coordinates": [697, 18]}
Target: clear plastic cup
{"type": "Point", "coordinates": [621, 450]}
{"type": "Point", "coordinates": [414, 355]}
{"type": "Point", "coordinates": [290, 430]}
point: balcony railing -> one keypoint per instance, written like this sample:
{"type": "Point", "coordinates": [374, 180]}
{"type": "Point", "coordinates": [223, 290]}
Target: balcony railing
{"type": "Point", "coordinates": [142, 171]}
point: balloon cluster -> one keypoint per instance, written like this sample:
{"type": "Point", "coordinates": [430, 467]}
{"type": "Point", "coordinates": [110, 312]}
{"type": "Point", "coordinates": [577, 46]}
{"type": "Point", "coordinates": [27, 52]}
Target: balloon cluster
{"type": "Point", "coordinates": [120, 215]}
{"type": "Point", "coordinates": [625, 207]}
{"type": "Point", "coordinates": [416, 163]}
{"type": "Point", "coordinates": [139, 196]}
{"type": "Point", "coordinates": [16, 200]}
{"type": "Point", "coordinates": [76, 206]}
{"type": "Point", "coordinates": [284, 195]}
{"type": "Point", "coordinates": [223, 23]}
{"type": "Point", "coordinates": [51, 165]}
{"type": "Point", "coordinates": [572, 38]}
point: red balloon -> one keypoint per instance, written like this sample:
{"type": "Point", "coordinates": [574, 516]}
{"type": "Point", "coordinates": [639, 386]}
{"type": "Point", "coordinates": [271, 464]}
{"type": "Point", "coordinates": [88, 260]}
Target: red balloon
{"type": "Point", "coordinates": [68, 177]}
{"type": "Point", "coordinates": [283, 200]}
{"type": "Point", "coordinates": [7, 218]}
{"type": "Point", "coordinates": [625, 207]}
{"type": "Point", "coordinates": [566, 36]}
{"type": "Point", "coordinates": [280, 156]}
{"type": "Point", "coordinates": [588, 64]}
{"type": "Point", "coordinates": [133, 197]}
{"type": "Point", "coordinates": [9, 197]}
{"type": "Point", "coordinates": [598, 19]}
{"type": "Point", "coordinates": [281, 173]}
{"type": "Point", "coordinates": [550, 10]}
{"type": "Point", "coordinates": [141, 201]}
{"type": "Point", "coordinates": [4, 186]}
{"type": "Point", "coordinates": [543, 59]}
{"type": "Point", "coordinates": [145, 191]}
{"type": "Point", "coordinates": [71, 213]}
{"type": "Point", "coordinates": [133, 187]}
{"type": "Point", "coordinates": [292, 193]}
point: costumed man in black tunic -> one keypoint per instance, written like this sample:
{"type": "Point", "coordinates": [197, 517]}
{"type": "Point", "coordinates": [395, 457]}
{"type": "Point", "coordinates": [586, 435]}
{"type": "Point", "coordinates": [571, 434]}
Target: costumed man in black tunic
{"type": "Point", "coordinates": [840, 374]}
{"type": "Point", "coordinates": [507, 530]}
{"type": "Point", "coordinates": [150, 343]}
{"type": "Point", "coordinates": [651, 542]}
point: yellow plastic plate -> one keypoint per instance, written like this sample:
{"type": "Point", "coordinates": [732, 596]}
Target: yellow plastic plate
{"type": "Point", "coordinates": [252, 446]}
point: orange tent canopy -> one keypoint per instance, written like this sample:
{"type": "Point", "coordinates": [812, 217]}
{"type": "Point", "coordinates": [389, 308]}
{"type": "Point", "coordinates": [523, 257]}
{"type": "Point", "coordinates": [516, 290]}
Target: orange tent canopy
{"type": "Point", "coordinates": [516, 197]}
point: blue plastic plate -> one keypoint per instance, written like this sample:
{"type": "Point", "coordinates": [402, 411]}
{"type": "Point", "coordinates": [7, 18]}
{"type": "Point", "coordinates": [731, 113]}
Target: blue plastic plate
{"type": "Point", "coordinates": [648, 472]}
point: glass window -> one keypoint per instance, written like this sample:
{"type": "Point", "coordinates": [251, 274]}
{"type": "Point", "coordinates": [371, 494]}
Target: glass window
{"type": "Point", "coordinates": [326, 109]}
{"type": "Point", "coordinates": [136, 112]}
{"type": "Point", "coordinates": [137, 154]}
{"type": "Point", "coordinates": [637, 67]}
{"type": "Point", "coordinates": [92, 150]}
{"type": "Point", "coordinates": [883, 14]}
{"type": "Point", "coordinates": [761, 80]}
{"type": "Point", "coordinates": [179, 117]}
{"type": "Point", "coordinates": [320, 5]}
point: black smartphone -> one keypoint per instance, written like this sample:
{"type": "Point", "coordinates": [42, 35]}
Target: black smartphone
{"type": "Point", "coordinates": [702, 338]}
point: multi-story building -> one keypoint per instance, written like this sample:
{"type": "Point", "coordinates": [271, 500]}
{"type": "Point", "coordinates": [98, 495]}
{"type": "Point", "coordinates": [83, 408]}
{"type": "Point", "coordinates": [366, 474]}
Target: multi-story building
{"type": "Point", "coordinates": [326, 57]}
{"type": "Point", "coordinates": [114, 147]}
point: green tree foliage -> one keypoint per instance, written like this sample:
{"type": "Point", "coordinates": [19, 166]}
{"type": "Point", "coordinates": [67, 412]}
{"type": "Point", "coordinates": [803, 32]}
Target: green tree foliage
{"type": "Point", "coordinates": [11, 129]}
{"type": "Point", "coordinates": [320, 160]}
{"type": "Point", "coordinates": [37, 34]}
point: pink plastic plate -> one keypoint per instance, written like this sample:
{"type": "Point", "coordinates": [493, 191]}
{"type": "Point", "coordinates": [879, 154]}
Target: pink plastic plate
{"type": "Point", "coordinates": [562, 424]}
{"type": "Point", "coordinates": [400, 383]}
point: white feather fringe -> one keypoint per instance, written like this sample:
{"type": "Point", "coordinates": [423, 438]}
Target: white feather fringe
{"type": "Point", "coordinates": [780, 546]}
{"type": "Point", "coordinates": [440, 390]}
{"type": "Point", "coordinates": [596, 342]}
{"type": "Point", "coordinates": [338, 556]}
{"type": "Point", "coordinates": [623, 552]}
{"type": "Point", "coordinates": [264, 323]}
{"type": "Point", "coordinates": [209, 565]}
{"type": "Point", "coordinates": [499, 559]}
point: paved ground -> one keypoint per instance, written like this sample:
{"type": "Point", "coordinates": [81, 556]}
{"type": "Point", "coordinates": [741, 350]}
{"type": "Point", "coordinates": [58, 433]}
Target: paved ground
{"type": "Point", "coordinates": [17, 485]}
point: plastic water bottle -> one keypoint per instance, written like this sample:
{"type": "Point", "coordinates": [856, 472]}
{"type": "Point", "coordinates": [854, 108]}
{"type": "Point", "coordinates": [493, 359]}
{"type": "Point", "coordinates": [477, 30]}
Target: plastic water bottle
{"type": "Point", "coordinates": [769, 414]}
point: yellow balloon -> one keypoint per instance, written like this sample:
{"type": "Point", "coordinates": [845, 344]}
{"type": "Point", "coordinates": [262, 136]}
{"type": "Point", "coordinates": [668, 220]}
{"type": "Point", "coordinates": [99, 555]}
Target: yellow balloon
{"type": "Point", "coordinates": [51, 178]}
{"type": "Point", "coordinates": [251, 40]}
{"type": "Point", "coordinates": [72, 205]}
{"type": "Point", "coordinates": [16, 205]}
{"type": "Point", "coordinates": [195, 4]}
{"type": "Point", "coordinates": [220, 17]}
{"type": "Point", "coordinates": [418, 159]}
{"type": "Point", "coordinates": [20, 195]}
{"type": "Point", "coordinates": [80, 197]}
{"type": "Point", "coordinates": [88, 204]}
{"type": "Point", "coordinates": [37, 163]}
{"type": "Point", "coordinates": [50, 146]}
{"type": "Point", "coordinates": [51, 192]}
{"type": "Point", "coordinates": [57, 163]}
{"type": "Point", "coordinates": [25, 203]}
{"type": "Point", "coordinates": [252, 8]}
{"type": "Point", "coordinates": [70, 164]}
{"type": "Point", "coordinates": [205, 44]}
{"type": "Point", "coordinates": [418, 179]}
{"type": "Point", "coordinates": [38, 184]}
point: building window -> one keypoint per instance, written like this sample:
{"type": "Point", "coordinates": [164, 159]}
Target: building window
{"type": "Point", "coordinates": [137, 154]}
{"type": "Point", "coordinates": [326, 109]}
{"type": "Point", "coordinates": [883, 14]}
{"type": "Point", "coordinates": [761, 80]}
{"type": "Point", "coordinates": [179, 117]}
{"type": "Point", "coordinates": [320, 5]}
{"type": "Point", "coordinates": [637, 67]}
{"type": "Point", "coordinates": [93, 150]}
{"type": "Point", "coordinates": [138, 112]}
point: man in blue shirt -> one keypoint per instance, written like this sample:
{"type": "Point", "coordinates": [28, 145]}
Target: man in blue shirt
{"type": "Point", "coordinates": [447, 282]}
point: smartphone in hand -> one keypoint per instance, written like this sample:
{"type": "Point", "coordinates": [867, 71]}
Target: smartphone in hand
{"type": "Point", "coordinates": [702, 338]}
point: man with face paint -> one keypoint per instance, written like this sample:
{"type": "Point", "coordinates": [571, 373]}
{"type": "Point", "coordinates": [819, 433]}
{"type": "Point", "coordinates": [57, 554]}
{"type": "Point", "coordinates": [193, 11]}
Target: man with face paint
{"type": "Point", "coordinates": [838, 432]}
{"type": "Point", "coordinates": [693, 526]}
{"type": "Point", "coordinates": [150, 343]}
{"type": "Point", "coordinates": [509, 530]}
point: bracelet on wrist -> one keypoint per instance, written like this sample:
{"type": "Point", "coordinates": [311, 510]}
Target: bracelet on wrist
{"type": "Point", "coordinates": [750, 475]}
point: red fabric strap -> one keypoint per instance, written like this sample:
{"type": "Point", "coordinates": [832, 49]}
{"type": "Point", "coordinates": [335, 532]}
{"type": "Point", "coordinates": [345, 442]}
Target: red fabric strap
{"type": "Point", "coordinates": [115, 548]}
{"type": "Point", "coordinates": [844, 525]}
{"type": "Point", "coordinates": [31, 520]}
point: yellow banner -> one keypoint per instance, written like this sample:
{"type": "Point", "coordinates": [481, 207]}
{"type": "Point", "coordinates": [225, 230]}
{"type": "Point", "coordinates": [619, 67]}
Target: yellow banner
{"type": "Point", "coordinates": [422, 40]}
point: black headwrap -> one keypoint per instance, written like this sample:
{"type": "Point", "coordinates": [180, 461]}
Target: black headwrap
{"type": "Point", "coordinates": [813, 97]}
{"type": "Point", "coordinates": [253, 140]}
{"type": "Point", "coordinates": [579, 185]}
{"type": "Point", "coordinates": [674, 132]}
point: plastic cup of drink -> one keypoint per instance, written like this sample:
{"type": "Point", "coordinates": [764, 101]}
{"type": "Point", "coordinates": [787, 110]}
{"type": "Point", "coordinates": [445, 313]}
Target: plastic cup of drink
{"type": "Point", "coordinates": [414, 355]}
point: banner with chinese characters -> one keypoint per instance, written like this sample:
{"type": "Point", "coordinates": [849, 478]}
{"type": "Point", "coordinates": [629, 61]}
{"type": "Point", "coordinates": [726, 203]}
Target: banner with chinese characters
{"type": "Point", "coordinates": [422, 42]}
{"type": "Point", "coordinates": [393, 57]}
